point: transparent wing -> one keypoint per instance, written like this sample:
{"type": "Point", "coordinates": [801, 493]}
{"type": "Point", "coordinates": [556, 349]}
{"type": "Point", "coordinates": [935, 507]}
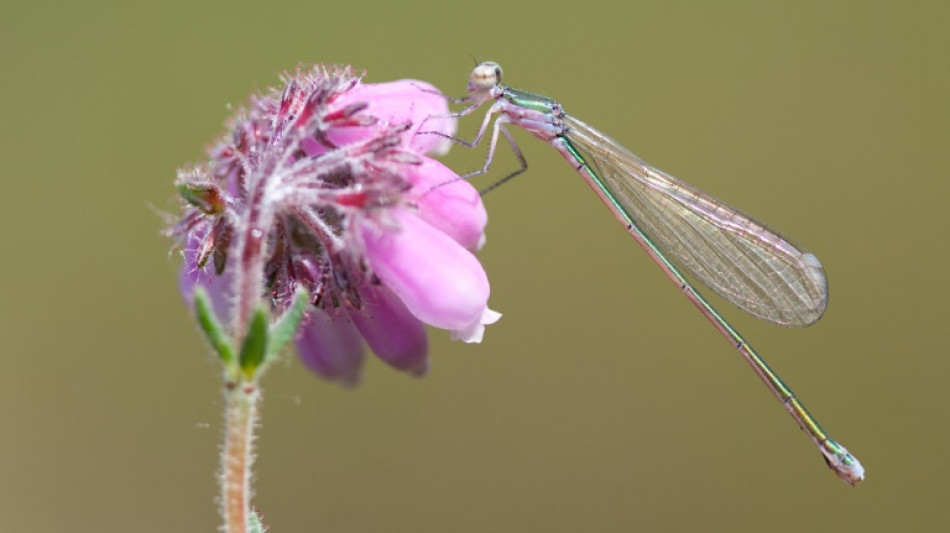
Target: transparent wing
{"type": "Point", "coordinates": [739, 258]}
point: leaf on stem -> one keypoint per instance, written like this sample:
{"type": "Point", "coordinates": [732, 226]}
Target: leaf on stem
{"type": "Point", "coordinates": [254, 349]}
{"type": "Point", "coordinates": [284, 328]}
{"type": "Point", "coordinates": [212, 328]}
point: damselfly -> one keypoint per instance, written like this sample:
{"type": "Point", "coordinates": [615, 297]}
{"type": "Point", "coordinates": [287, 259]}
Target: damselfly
{"type": "Point", "coordinates": [739, 258]}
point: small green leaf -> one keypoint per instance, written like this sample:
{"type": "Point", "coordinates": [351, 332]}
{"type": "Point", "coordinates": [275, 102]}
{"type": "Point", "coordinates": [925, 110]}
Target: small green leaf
{"type": "Point", "coordinates": [254, 523]}
{"type": "Point", "coordinates": [209, 324]}
{"type": "Point", "coordinates": [254, 349]}
{"type": "Point", "coordinates": [283, 330]}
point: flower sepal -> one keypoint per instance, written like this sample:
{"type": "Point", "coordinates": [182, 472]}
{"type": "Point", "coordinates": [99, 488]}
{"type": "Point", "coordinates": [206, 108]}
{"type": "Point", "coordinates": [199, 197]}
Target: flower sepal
{"type": "Point", "coordinates": [254, 349]}
{"type": "Point", "coordinates": [264, 340]}
{"type": "Point", "coordinates": [284, 328]}
{"type": "Point", "coordinates": [219, 340]}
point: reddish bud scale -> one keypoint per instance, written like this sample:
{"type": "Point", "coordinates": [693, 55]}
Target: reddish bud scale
{"type": "Point", "coordinates": [355, 199]}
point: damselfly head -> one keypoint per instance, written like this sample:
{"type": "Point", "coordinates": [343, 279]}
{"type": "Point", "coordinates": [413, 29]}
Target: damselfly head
{"type": "Point", "coordinates": [485, 76]}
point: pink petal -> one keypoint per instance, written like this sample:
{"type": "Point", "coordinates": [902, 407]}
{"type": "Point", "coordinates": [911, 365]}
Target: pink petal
{"type": "Point", "coordinates": [399, 102]}
{"type": "Point", "coordinates": [448, 203]}
{"type": "Point", "coordinates": [440, 282]}
{"type": "Point", "coordinates": [331, 347]}
{"type": "Point", "coordinates": [392, 332]}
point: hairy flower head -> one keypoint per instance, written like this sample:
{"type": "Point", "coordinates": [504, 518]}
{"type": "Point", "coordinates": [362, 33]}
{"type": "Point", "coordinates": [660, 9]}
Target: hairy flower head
{"type": "Point", "coordinates": [325, 185]}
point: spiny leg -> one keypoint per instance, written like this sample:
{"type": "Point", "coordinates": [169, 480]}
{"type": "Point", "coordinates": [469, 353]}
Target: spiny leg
{"type": "Point", "coordinates": [490, 156]}
{"type": "Point", "coordinates": [472, 144]}
{"type": "Point", "coordinates": [499, 126]}
{"type": "Point", "coordinates": [467, 111]}
{"type": "Point", "coordinates": [517, 152]}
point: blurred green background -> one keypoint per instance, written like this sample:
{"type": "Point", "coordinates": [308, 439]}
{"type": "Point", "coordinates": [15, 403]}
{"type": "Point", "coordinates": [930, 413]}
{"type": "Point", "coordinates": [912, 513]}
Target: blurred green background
{"type": "Point", "coordinates": [602, 401]}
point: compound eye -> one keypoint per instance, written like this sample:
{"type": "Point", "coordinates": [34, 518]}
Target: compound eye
{"type": "Point", "coordinates": [486, 75]}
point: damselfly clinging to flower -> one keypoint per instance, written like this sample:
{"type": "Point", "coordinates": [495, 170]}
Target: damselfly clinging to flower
{"type": "Point", "coordinates": [740, 259]}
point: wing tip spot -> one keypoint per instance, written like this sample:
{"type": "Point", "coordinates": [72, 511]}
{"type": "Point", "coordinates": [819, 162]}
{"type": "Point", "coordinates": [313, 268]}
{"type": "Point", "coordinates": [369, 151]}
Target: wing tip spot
{"type": "Point", "coordinates": [811, 260]}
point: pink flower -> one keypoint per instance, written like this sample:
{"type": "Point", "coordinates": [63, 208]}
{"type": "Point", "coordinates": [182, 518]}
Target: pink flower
{"type": "Point", "coordinates": [326, 186]}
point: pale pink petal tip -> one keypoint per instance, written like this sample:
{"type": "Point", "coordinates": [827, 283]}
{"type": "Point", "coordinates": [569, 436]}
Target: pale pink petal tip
{"type": "Point", "coordinates": [474, 332]}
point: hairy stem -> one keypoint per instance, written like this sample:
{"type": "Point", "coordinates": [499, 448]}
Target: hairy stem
{"type": "Point", "coordinates": [249, 275]}
{"type": "Point", "coordinates": [238, 455]}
